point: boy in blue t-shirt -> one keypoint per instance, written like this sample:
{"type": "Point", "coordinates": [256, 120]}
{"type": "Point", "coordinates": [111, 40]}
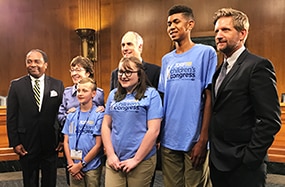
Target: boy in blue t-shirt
{"type": "Point", "coordinates": [185, 81]}
{"type": "Point", "coordinates": [82, 138]}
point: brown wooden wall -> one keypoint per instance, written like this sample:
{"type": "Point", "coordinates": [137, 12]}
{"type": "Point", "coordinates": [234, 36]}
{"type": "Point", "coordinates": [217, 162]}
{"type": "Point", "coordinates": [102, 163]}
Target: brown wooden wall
{"type": "Point", "coordinates": [50, 25]}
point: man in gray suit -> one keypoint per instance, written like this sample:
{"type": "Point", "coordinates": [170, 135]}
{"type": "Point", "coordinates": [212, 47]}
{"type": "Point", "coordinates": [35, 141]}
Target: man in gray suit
{"type": "Point", "coordinates": [32, 121]}
{"type": "Point", "coordinates": [245, 107]}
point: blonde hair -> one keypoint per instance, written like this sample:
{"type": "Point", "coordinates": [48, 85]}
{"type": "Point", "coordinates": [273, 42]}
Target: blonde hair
{"type": "Point", "coordinates": [240, 19]}
{"type": "Point", "coordinates": [89, 80]}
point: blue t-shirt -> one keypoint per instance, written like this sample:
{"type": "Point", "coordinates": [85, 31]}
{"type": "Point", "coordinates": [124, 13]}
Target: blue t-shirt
{"type": "Point", "coordinates": [183, 79]}
{"type": "Point", "coordinates": [84, 127]}
{"type": "Point", "coordinates": [129, 121]}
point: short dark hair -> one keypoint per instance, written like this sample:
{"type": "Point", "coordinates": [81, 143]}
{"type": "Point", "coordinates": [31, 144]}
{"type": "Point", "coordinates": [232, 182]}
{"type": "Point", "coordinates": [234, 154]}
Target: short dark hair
{"type": "Point", "coordinates": [185, 10]}
{"type": "Point", "coordinates": [45, 57]}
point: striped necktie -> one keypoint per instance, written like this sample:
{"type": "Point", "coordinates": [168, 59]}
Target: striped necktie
{"type": "Point", "coordinates": [37, 92]}
{"type": "Point", "coordinates": [221, 76]}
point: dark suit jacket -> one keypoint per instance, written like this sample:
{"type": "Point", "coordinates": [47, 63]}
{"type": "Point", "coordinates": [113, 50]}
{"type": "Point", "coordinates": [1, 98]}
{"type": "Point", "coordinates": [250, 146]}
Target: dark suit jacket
{"type": "Point", "coordinates": [152, 72]}
{"type": "Point", "coordinates": [37, 131]}
{"type": "Point", "coordinates": [245, 114]}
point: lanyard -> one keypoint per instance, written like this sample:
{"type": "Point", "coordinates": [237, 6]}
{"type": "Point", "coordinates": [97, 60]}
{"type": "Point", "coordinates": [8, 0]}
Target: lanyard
{"type": "Point", "coordinates": [77, 127]}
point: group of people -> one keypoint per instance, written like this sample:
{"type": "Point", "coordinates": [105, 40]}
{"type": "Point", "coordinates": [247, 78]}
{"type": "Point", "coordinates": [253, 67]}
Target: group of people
{"type": "Point", "coordinates": [212, 125]}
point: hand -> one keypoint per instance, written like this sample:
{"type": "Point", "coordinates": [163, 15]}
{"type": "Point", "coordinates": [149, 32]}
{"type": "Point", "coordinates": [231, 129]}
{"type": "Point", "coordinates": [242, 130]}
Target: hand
{"type": "Point", "coordinates": [20, 150]}
{"type": "Point", "coordinates": [78, 176]}
{"type": "Point", "coordinates": [71, 110]}
{"type": "Point", "coordinates": [100, 109]}
{"type": "Point", "coordinates": [59, 147]}
{"type": "Point", "coordinates": [114, 162]}
{"type": "Point", "coordinates": [128, 165]}
{"type": "Point", "coordinates": [74, 169]}
{"type": "Point", "coordinates": [157, 145]}
{"type": "Point", "coordinates": [198, 155]}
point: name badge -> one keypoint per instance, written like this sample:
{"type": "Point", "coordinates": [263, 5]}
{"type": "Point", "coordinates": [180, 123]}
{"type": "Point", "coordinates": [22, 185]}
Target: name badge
{"type": "Point", "coordinates": [76, 154]}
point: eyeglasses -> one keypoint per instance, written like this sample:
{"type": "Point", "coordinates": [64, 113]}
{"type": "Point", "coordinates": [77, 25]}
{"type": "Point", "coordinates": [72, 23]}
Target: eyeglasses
{"type": "Point", "coordinates": [127, 73]}
{"type": "Point", "coordinates": [76, 70]}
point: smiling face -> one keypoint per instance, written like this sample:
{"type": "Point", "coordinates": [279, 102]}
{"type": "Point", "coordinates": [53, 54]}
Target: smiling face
{"type": "Point", "coordinates": [85, 93]}
{"type": "Point", "coordinates": [128, 75]}
{"type": "Point", "coordinates": [227, 38]}
{"type": "Point", "coordinates": [179, 26]}
{"type": "Point", "coordinates": [130, 46]}
{"type": "Point", "coordinates": [77, 73]}
{"type": "Point", "coordinates": [35, 64]}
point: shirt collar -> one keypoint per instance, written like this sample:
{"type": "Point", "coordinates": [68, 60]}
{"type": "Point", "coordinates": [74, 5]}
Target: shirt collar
{"type": "Point", "coordinates": [232, 59]}
{"type": "Point", "coordinates": [74, 90]}
{"type": "Point", "coordinates": [40, 79]}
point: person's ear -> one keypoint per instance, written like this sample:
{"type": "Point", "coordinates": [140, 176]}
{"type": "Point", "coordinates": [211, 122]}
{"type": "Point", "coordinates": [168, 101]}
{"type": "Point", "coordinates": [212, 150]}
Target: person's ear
{"type": "Point", "coordinates": [88, 74]}
{"type": "Point", "coordinates": [243, 35]}
{"type": "Point", "coordinates": [93, 93]}
{"type": "Point", "coordinates": [140, 48]}
{"type": "Point", "coordinates": [190, 24]}
{"type": "Point", "coordinates": [46, 65]}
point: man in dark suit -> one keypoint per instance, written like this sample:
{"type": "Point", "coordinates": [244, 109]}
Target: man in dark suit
{"type": "Point", "coordinates": [245, 107]}
{"type": "Point", "coordinates": [32, 121]}
{"type": "Point", "coordinates": [132, 45]}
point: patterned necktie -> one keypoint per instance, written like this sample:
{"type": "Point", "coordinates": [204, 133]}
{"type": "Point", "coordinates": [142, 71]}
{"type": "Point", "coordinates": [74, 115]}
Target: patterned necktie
{"type": "Point", "coordinates": [221, 76]}
{"type": "Point", "coordinates": [37, 92]}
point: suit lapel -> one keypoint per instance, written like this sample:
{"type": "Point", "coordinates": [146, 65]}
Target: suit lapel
{"type": "Point", "coordinates": [46, 91]}
{"type": "Point", "coordinates": [28, 85]}
{"type": "Point", "coordinates": [144, 66]}
{"type": "Point", "coordinates": [231, 73]}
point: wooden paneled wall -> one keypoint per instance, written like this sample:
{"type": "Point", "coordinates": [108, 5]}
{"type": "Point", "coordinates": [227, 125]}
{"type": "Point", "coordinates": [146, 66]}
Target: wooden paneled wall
{"type": "Point", "coordinates": [50, 25]}
{"type": "Point", "coordinates": [276, 152]}
{"type": "Point", "coordinates": [6, 152]}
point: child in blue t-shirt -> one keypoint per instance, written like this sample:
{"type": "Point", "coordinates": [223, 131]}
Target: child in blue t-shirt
{"type": "Point", "coordinates": [130, 127]}
{"type": "Point", "coordinates": [82, 138]}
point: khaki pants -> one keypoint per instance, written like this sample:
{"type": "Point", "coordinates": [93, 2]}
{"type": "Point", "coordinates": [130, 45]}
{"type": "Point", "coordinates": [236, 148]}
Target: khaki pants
{"type": "Point", "coordinates": [177, 170]}
{"type": "Point", "coordinates": [139, 177]}
{"type": "Point", "coordinates": [92, 178]}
